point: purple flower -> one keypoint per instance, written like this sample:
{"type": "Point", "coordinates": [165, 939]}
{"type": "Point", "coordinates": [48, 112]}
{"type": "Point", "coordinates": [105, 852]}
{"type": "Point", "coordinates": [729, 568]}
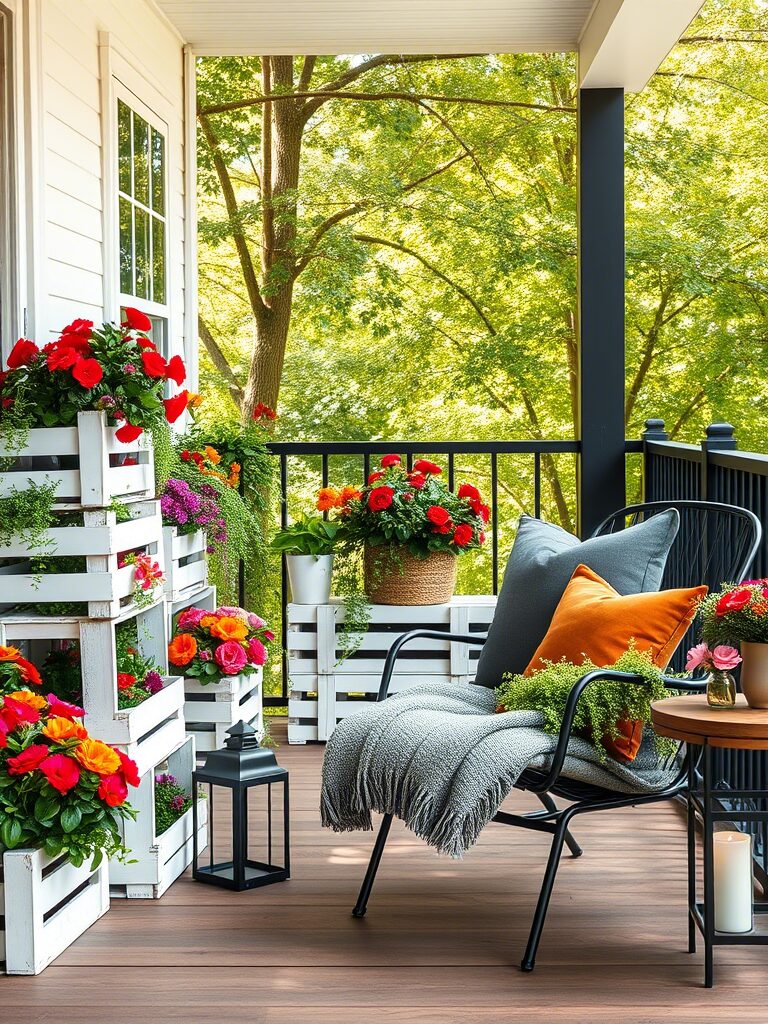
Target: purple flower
{"type": "Point", "coordinates": [165, 779]}
{"type": "Point", "coordinates": [129, 368]}
{"type": "Point", "coordinates": [177, 803]}
{"type": "Point", "coordinates": [106, 402]}
{"type": "Point", "coordinates": [204, 655]}
{"type": "Point", "coordinates": [153, 682]}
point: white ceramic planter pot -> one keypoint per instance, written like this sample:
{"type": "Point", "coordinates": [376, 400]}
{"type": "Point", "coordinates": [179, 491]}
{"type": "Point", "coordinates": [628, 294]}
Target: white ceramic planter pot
{"type": "Point", "coordinates": [754, 674]}
{"type": "Point", "coordinates": [310, 578]}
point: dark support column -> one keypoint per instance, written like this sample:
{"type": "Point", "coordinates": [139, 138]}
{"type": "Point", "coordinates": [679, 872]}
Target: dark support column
{"type": "Point", "coordinates": [601, 478]}
{"type": "Point", "coordinates": [719, 438]}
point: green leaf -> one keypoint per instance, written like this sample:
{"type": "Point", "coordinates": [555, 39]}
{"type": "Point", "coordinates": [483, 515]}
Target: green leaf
{"type": "Point", "coordinates": [70, 818]}
{"type": "Point", "coordinates": [10, 833]}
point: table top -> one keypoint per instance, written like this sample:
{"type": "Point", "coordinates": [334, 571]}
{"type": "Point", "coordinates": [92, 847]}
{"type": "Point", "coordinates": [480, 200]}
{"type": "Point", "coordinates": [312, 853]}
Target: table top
{"type": "Point", "coordinates": [692, 720]}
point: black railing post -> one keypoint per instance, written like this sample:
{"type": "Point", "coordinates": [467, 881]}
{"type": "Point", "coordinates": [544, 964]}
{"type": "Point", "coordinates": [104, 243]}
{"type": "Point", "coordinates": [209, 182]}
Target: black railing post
{"type": "Point", "coordinates": [719, 438]}
{"type": "Point", "coordinates": [653, 431]}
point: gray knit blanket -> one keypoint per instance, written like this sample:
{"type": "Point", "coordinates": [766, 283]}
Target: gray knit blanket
{"type": "Point", "coordinates": [438, 757]}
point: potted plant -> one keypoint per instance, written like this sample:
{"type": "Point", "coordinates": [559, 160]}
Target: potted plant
{"type": "Point", "coordinates": [738, 615]}
{"type": "Point", "coordinates": [411, 528]}
{"type": "Point", "coordinates": [223, 644]}
{"type": "Point", "coordinates": [308, 546]}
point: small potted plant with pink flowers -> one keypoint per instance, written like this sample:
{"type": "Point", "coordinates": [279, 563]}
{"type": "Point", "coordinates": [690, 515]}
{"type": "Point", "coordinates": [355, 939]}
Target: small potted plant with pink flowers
{"type": "Point", "coordinates": [738, 615]}
{"type": "Point", "coordinates": [719, 661]}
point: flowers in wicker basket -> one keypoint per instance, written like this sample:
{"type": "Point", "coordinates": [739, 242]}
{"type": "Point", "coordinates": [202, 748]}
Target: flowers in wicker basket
{"type": "Point", "coordinates": [212, 645]}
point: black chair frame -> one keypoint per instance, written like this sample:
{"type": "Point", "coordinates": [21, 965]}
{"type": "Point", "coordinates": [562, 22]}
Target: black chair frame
{"type": "Point", "coordinates": [548, 784]}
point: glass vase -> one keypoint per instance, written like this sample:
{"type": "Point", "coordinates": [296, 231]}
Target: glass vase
{"type": "Point", "coordinates": [721, 689]}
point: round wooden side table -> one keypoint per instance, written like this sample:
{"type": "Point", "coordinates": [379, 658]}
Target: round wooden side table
{"type": "Point", "coordinates": [690, 719]}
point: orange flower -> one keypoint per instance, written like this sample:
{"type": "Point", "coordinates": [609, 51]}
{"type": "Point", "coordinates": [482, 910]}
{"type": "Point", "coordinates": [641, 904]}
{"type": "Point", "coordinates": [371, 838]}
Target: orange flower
{"type": "Point", "coordinates": [212, 455]}
{"type": "Point", "coordinates": [194, 400]}
{"type": "Point", "coordinates": [182, 649]}
{"type": "Point", "coordinates": [9, 654]}
{"type": "Point", "coordinates": [28, 672]}
{"type": "Point", "coordinates": [97, 757]}
{"type": "Point", "coordinates": [32, 700]}
{"type": "Point", "coordinates": [208, 620]}
{"type": "Point", "coordinates": [327, 498]}
{"type": "Point", "coordinates": [229, 628]}
{"type": "Point", "coordinates": [60, 729]}
{"type": "Point", "coordinates": [349, 494]}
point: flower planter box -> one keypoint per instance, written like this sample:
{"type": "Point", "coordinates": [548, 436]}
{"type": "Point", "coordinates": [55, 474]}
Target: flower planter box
{"type": "Point", "coordinates": [86, 461]}
{"type": "Point", "coordinates": [47, 904]}
{"type": "Point", "coordinates": [204, 598]}
{"type": "Point", "coordinates": [210, 710]}
{"type": "Point", "coordinates": [185, 563]}
{"type": "Point", "coordinates": [159, 859]}
{"type": "Point", "coordinates": [325, 690]}
{"type": "Point", "coordinates": [105, 588]}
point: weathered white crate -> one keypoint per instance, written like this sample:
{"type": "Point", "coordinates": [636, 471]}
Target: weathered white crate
{"type": "Point", "coordinates": [205, 598]}
{"type": "Point", "coordinates": [105, 588]}
{"type": "Point", "coordinates": [324, 689]}
{"type": "Point", "coordinates": [86, 461]}
{"type": "Point", "coordinates": [159, 859]}
{"type": "Point", "coordinates": [147, 732]}
{"type": "Point", "coordinates": [48, 903]}
{"type": "Point", "coordinates": [185, 563]}
{"type": "Point", "coordinates": [210, 710]}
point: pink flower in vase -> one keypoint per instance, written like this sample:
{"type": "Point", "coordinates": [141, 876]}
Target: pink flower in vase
{"type": "Point", "coordinates": [725, 658]}
{"type": "Point", "coordinates": [698, 656]}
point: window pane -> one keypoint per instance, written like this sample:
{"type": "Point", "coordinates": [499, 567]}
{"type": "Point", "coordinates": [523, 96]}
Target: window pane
{"type": "Point", "coordinates": [142, 253]}
{"type": "Point", "coordinates": [158, 260]}
{"type": "Point", "coordinates": [158, 172]}
{"type": "Point", "coordinates": [126, 248]}
{"type": "Point", "coordinates": [140, 159]}
{"type": "Point", "coordinates": [124, 146]}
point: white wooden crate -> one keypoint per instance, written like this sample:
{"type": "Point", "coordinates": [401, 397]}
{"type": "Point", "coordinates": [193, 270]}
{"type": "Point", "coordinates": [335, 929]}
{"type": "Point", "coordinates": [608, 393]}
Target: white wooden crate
{"type": "Point", "coordinates": [185, 563]}
{"type": "Point", "coordinates": [147, 732]}
{"type": "Point", "coordinates": [325, 689]}
{"type": "Point", "coordinates": [86, 461]}
{"type": "Point", "coordinates": [105, 588]}
{"type": "Point", "coordinates": [159, 860]}
{"type": "Point", "coordinates": [210, 710]}
{"type": "Point", "coordinates": [47, 904]}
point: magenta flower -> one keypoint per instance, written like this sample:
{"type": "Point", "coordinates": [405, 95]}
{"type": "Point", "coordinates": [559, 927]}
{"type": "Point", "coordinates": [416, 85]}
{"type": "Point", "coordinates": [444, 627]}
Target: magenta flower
{"type": "Point", "coordinates": [153, 682]}
{"type": "Point", "coordinates": [191, 617]}
{"type": "Point", "coordinates": [257, 652]}
{"type": "Point", "coordinates": [230, 657]}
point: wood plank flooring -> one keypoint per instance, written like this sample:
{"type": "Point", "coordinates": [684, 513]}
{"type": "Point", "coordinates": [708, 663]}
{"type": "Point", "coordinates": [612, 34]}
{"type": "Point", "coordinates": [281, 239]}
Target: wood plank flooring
{"type": "Point", "coordinates": [441, 942]}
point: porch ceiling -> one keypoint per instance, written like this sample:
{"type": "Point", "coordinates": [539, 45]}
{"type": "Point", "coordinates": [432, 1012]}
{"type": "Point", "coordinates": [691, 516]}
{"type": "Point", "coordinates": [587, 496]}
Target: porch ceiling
{"type": "Point", "coordinates": [621, 42]}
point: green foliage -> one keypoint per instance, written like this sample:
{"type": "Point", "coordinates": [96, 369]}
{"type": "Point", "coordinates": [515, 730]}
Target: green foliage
{"type": "Point", "coordinates": [171, 802]}
{"type": "Point", "coordinates": [28, 515]}
{"type": "Point", "coordinates": [162, 443]}
{"type": "Point", "coordinates": [309, 535]}
{"type": "Point", "coordinates": [603, 704]}
{"type": "Point", "coordinates": [736, 613]}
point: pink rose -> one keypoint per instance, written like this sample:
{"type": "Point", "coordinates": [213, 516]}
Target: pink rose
{"type": "Point", "coordinates": [697, 656]}
{"type": "Point", "coordinates": [254, 621]}
{"type": "Point", "coordinates": [190, 617]}
{"type": "Point", "coordinates": [268, 635]}
{"type": "Point", "coordinates": [257, 652]}
{"type": "Point", "coordinates": [232, 612]}
{"type": "Point", "coordinates": [230, 657]}
{"type": "Point", "coordinates": [725, 658]}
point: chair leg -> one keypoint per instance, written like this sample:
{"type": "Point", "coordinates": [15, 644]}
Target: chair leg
{"type": "Point", "coordinates": [529, 959]}
{"type": "Point", "coordinates": [373, 865]}
{"type": "Point", "coordinates": [570, 842]}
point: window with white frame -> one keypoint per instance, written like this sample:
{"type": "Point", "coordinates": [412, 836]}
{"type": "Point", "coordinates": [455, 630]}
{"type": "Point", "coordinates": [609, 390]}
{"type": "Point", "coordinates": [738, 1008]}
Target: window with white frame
{"type": "Point", "coordinates": [142, 216]}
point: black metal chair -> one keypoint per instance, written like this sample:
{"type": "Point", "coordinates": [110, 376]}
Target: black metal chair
{"type": "Point", "coordinates": [715, 543]}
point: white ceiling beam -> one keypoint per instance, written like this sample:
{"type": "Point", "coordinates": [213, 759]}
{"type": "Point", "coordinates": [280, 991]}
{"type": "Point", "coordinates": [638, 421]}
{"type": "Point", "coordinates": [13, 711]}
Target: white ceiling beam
{"type": "Point", "coordinates": [625, 41]}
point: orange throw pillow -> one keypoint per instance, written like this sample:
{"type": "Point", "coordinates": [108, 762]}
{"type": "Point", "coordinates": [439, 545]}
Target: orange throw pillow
{"type": "Point", "coordinates": [592, 620]}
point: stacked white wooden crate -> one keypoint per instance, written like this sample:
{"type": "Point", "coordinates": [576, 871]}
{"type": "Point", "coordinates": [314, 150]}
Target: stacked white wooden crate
{"type": "Point", "coordinates": [326, 687]}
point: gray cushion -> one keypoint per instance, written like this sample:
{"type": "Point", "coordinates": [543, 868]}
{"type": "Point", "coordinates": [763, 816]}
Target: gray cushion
{"type": "Point", "coordinates": [541, 563]}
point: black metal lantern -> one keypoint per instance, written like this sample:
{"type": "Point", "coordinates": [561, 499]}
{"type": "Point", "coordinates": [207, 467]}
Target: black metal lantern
{"type": "Point", "coordinates": [240, 768]}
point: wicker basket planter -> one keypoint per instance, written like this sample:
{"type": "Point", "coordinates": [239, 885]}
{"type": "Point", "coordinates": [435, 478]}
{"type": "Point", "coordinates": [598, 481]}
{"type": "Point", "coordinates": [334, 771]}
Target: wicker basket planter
{"type": "Point", "coordinates": [395, 576]}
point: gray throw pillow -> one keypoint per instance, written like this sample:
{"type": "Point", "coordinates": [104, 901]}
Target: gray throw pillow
{"type": "Point", "coordinates": [541, 563]}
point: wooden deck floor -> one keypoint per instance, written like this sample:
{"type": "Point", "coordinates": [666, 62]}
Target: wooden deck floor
{"type": "Point", "coordinates": [440, 945]}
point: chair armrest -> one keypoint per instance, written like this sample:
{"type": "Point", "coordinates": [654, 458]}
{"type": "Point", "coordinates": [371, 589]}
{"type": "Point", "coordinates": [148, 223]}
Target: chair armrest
{"type": "Point", "coordinates": [416, 634]}
{"type": "Point", "coordinates": [578, 688]}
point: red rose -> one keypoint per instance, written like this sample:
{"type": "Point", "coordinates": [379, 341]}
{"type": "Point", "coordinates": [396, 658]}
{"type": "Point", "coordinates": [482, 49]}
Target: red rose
{"type": "Point", "coordinates": [129, 769]}
{"type": "Point", "coordinates": [16, 712]}
{"type": "Point", "coordinates": [23, 353]}
{"type": "Point", "coordinates": [125, 680]}
{"type": "Point", "coordinates": [417, 480]}
{"type": "Point", "coordinates": [81, 328]}
{"type": "Point", "coordinates": [480, 510]}
{"type": "Point", "coordinates": [136, 320]}
{"type": "Point", "coordinates": [380, 498]}
{"type": "Point", "coordinates": [462, 535]}
{"type": "Point", "coordinates": [62, 358]}
{"type": "Point", "coordinates": [425, 466]}
{"type": "Point", "coordinates": [113, 790]}
{"type": "Point", "coordinates": [27, 760]}
{"type": "Point", "coordinates": [175, 406]}
{"type": "Point", "coordinates": [62, 708]}
{"type": "Point", "coordinates": [145, 343]}
{"type": "Point", "coordinates": [175, 370]}
{"type": "Point", "coordinates": [373, 477]}
{"type": "Point", "coordinates": [75, 341]}
{"type": "Point", "coordinates": [61, 771]}
{"type": "Point", "coordinates": [87, 372]}
{"type": "Point", "coordinates": [734, 601]}
{"type": "Point", "coordinates": [469, 491]}
{"type": "Point", "coordinates": [390, 460]}
{"type": "Point", "coordinates": [153, 363]}
{"type": "Point", "coordinates": [437, 515]}
{"type": "Point", "coordinates": [128, 433]}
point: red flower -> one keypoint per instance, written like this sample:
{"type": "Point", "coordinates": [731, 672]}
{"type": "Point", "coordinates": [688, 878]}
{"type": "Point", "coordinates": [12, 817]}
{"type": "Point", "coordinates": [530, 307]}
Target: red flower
{"type": "Point", "coordinates": [129, 769]}
{"type": "Point", "coordinates": [16, 712]}
{"type": "Point", "coordinates": [125, 680]}
{"type": "Point", "coordinates": [470, 492]}
{"type": "Point", "coordinates": [380, 498]}
{"type": "Point", "coordinates": [175, 370]}
{"type": "Point", "coordinates": [462, 535]}
{"type": "Point", "coordinates": [153, 363]}
{"type": "Point", "coordinates": [23, 353]}
{"type": "Point", "coordinates": [136, 320]}
{"type": "Point", "coordinates": [417, 480]}
{"type": "Point", "coordinates": [263, 412]}
{"type": "Point", "coordinates": [113, 790]}
{"type": "Point", "coordinates": [734, 601]}
{"type": "Point", "coordinates": [62, 358]}
{"type": "Point", "coordinates": [438, 515]}
{"type": "Point", "coordinates": [175, 406]}
{"type": "Point", "coordinates": [373, 477]}
{"type": "Point", "coordinates": [128, 433]}
{"type": "Point", "coordinates": [62, 708]}
{"type": "Point", "coordinates": [425, 466]}
{"type": "Point", "coordinates": [145, 343]}
{"type": "Point", "coordinates": [82, 328]}
{"type": "Point", "coordinates": [87, 372]}
{"type": "Point", "coordinates": [28, 671]}
{"type": "Point", "coordinates": [75, 341]}
{"type": "Point", "coordinates": [186, 455]}
{"type": "Point", "coordinates": [390, 460]}
{"type": "Point", "coordinates": [61, 771]}
{"type": "Point", "coordinates": [27, 760]}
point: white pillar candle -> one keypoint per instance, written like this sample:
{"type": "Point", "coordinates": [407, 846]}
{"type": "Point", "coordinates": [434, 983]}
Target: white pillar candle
{"type": "Point", "coordinates": [733, 881]}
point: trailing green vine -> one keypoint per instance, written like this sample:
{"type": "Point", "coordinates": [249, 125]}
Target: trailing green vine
{"type": "Point", "coordinates": [28, 515]}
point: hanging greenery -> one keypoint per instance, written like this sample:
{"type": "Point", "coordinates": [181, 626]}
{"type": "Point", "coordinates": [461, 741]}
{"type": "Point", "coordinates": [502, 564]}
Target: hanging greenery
{"type": "Point", "coordinates": [28, 515]}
